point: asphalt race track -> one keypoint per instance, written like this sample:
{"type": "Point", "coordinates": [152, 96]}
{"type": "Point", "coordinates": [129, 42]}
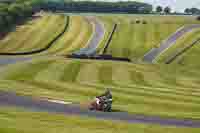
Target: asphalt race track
{"type": "Point", "coordinates": [11, 99]}
{"type": "Point", "coordinates": [155, 52]}
{"type": "Point", "coordinates": [4, 60]}
{"type": "Point", "coordinates": [98, 35]}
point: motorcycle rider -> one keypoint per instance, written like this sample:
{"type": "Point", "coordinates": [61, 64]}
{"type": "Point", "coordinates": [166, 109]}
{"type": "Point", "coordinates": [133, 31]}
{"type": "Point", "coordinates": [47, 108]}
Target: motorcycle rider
{"type": "Point", "coordinates": [106, 99]}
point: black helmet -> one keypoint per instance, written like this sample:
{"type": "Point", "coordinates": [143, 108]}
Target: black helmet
{"type": "Point", "coordinates": [108, 91]}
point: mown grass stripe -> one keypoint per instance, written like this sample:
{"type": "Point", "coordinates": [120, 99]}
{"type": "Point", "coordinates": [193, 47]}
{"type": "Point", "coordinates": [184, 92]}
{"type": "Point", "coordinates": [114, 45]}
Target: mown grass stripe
{"type": "Point", "coordinates": [35, 39]}
{"type": "Point", "coordinates": [68, 38]}
{"type": "Point", "coordinates": [75, 38]}
{"type": "Point", "coordinates": [53, 73]}
{"type": "Point", "coordinates": [84, 37]}
{"type": "Point", "coordinates": [48, 45]}
{"type": "Point", "coordinates": [55, 26]}
{"type": "Point", "coordinates": [121, 75]}
{"type": "Point", "coordinates": [151, 92]}
{"type": "Point", "coordinates": [105, 74]}
{"type": "Point", "coordinates": [30, 35]}
{"type": "Point", "coordinates": [71, 71]}
{"type": "Point", "coordinates": [150, 102]}
{"type": "Point", "coordinates": [139, 106]}
{"type": "Point", "coordinates": [126, 51]}
{"type": "Point", "coordinates": [88, 73]}
{"type": "Point", "coordinates": [13, 37]}
{"type": "Point", "coordinates": [28, 73]}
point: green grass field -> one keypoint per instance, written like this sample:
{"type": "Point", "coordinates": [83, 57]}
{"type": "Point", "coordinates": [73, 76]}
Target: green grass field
{"type": "Point", "coordinates": [190, 58]}
{"type": "Point", "coordinates": [35, 34]}
{"type": "Point", "coordinates": [182, 42]}
{"type": "Point", "coordinates": [77, 36]}
{"type": "Point", "coordinates": [152, 89]}
{"type": "Point", "coordinates": [108, 25]}
{"type": "Point", "coordinates": [14, 120]}
{"type": "Point", "coordinates": [134, 40]}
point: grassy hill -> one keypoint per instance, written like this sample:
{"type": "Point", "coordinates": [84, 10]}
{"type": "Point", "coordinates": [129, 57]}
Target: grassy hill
{"type": "Point", "coordinates": [137, 88]}
{"type": "Point", "coordinates": [76, 37]}
{"type": "Point", "coordinates": [150, 89]}
{"type": "Point", "coordinates": [39, 32]}
{"type": "Point", "coordinates": [35, 34]}
{"type": "Point", "coordinates": [182, 42]}
{"type": "Point", "coordinates": [190, 58]}
{"type": "Point", "coordinates": [133, 40]}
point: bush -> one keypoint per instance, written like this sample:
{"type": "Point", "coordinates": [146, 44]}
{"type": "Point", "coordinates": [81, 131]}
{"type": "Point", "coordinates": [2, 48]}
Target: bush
{"type": "Point", "coordinates": [198, 18]}
{"type": "Point", "coordinates": [137, 21]}
{"type": "Point", "coordinates": [144, 22]}
{"type": "Point", "coordinates": [10, 14]}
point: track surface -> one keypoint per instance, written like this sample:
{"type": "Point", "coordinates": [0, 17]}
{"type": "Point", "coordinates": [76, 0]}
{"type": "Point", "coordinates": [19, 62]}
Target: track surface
{"type": "Point", "coordinates": [98, 35]}
{"type": "Point", "coordinates": [155, 52]}
{"type": "Point", "coordinates": [4, 60]}
{"type": "Point", "coordinates": [11, 99]}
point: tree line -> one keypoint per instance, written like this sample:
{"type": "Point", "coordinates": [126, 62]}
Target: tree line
{"type": "Point", "coordinates": [192, 11]}
{"type": "Point", "coordinates": [110, 7]}
{"type": "Point", "coordinates": [18, 10]}
{"type": "Point", "coordinates": [13, 12]}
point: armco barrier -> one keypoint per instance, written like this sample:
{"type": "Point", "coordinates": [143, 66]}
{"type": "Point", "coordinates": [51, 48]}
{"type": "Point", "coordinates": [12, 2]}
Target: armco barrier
{"type": "Point", "coordinates": [109, 39]}
{"type": "Point", "coordinates": [98, 57]}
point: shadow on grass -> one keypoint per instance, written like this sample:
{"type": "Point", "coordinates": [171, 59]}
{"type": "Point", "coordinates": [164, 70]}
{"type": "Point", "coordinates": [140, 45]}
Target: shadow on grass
{"type": "Point", "coordinates": [118, 110]}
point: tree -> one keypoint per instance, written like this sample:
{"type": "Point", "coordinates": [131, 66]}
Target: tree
{"type": "Point", "coordinates": [187, 11]}
{"type": "Point", "coordinates": [167, 10]}
{"type": "Point", "coordinates": [195, 11]}
{"type": "Point", "coordinates": [2, 23]}
{"type": "Point", "coordinates": [16, 10]}
{"type": "Point", "coordinates": [159, 9]}
{"type": "Point", "coordinates": [198, 18]}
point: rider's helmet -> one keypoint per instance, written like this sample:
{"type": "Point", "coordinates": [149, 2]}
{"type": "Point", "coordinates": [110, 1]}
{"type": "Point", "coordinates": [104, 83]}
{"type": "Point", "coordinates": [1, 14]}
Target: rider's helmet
{"type": "Point", "coordinates": [108, 93]}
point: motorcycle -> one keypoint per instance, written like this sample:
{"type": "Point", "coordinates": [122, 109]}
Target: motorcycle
{"type": "Point", "coordinates": [101, 104]}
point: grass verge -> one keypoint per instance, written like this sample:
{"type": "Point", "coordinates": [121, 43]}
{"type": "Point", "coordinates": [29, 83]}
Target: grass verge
{"type": "Point", "coordinates": [15, 120]}
{"type": "Point", "coordinates": [137, 88]}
